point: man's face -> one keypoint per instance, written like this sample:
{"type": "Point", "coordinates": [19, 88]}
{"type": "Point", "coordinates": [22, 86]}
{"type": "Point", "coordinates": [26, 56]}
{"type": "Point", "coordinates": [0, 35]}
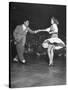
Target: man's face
{"type": "Point", "coordinates": [26, 23]}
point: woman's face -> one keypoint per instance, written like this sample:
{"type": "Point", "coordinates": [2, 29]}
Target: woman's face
{"type": "Point", "coordinates": [52, 21]}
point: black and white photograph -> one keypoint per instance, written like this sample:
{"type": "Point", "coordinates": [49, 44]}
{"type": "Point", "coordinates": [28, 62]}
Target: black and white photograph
{"type": "Point", "coordinates": [37, 45]}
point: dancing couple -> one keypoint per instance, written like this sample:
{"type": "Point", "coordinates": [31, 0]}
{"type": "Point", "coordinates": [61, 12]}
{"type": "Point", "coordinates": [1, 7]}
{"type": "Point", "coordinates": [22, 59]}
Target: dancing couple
{"type": "Point", "coordinates": [52, 43]}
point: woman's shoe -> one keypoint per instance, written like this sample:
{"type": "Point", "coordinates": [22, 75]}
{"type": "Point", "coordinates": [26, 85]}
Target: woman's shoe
{"type": "Point", "coordinates": [51, 64]}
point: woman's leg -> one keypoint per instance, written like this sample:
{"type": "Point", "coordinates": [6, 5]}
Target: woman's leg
{"type": "Point", "coordinates": [51, 54]}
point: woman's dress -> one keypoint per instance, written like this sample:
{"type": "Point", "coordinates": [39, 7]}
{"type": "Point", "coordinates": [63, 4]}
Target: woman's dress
{"type": "Point", "coordinates": [54, 39]}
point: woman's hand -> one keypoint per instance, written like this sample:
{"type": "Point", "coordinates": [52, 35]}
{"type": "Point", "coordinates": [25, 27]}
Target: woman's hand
{"type": "Point", "coordinates": [38, 31]}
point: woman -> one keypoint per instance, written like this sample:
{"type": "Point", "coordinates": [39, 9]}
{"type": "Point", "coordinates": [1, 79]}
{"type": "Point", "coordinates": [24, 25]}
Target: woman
{"type": "Point", "coordinates": [53, 43]}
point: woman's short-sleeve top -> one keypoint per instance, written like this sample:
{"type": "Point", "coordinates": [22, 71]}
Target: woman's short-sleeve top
{"type": "Point", "coordinates": [54, 28]}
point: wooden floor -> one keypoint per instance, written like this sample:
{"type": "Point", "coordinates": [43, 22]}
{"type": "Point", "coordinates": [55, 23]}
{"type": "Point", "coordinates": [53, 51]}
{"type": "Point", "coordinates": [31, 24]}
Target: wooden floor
{"type": "Point", "coordinates": [36, 72]}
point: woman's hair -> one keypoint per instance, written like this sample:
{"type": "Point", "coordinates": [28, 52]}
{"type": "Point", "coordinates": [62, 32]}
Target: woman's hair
{"type": "Point", "coordinates": [55, 20]}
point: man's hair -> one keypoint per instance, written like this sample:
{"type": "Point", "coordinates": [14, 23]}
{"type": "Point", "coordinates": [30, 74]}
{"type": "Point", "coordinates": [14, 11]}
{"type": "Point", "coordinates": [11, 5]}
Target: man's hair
{"type": "Point", "coordinates": [26, 21]}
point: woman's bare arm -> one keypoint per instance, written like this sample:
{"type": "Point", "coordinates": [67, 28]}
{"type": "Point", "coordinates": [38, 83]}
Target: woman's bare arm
{"type": "Point", "coordinates": [40, 30]}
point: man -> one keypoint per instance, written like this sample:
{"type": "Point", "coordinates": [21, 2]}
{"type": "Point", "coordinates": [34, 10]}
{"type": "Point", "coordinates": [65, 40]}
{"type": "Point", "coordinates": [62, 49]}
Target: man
{"type": "Point", "coordinates": [19, 34]}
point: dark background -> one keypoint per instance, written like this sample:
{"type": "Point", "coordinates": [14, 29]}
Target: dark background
{"type": "Point", "coordinates": [39, 16]}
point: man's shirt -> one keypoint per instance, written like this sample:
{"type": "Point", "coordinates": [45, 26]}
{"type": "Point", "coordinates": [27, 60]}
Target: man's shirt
{"type": "Point", "coordinates": [20, 32]}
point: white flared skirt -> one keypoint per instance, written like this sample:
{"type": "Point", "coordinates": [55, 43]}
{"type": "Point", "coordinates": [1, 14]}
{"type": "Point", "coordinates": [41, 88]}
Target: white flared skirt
{"type": "Point", "coordinates": [57, 42]}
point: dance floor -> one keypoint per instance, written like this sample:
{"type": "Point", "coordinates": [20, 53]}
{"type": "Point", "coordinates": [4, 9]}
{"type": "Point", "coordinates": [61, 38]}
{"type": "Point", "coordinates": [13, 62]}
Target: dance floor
{"type": "Point", "coordinates": [36, 72]}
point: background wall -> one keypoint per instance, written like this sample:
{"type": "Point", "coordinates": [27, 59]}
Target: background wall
{"type": "Point", "coordinates": [39, 16]}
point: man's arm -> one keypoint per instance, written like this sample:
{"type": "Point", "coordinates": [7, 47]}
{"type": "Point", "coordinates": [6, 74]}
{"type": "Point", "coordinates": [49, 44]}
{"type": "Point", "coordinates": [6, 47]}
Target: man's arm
{"type": "Point", "coordinates": [31, 31]}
